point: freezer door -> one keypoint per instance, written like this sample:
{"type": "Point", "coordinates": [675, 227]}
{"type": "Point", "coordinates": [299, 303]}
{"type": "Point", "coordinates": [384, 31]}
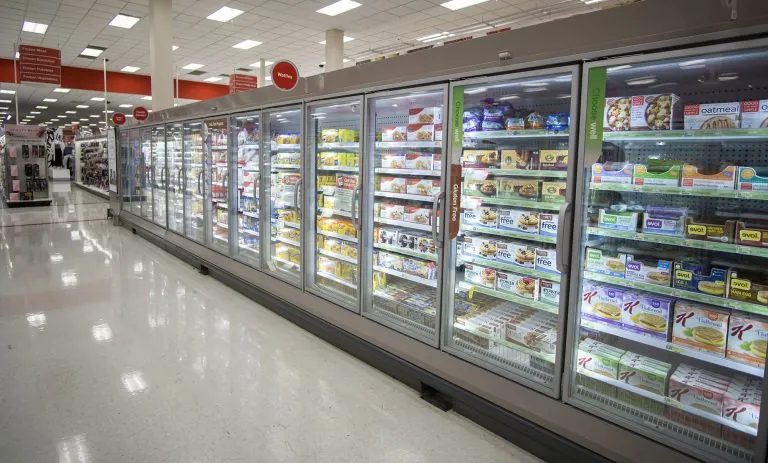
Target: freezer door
{"type": "Point", "coordinates": [175, 177]}
{"type": "Point", "coordinates": [509, 212]}
{"type": "Point", "coordinates": [668, 327]}
{"type": "Point", "coordinates": [124, 188]}
{"type": "Point", "coordinates": [194, 204]}
{"type": "Point", "coordinates": [405, 135]}
{"type": "Point", "coordinates": [216, 134]}
{"type": "Point", "coordinates": [246, 147]}
{"type": "Point", "coordinates": [283, 179]}
{"type": "Point", "coordinates": [159, 175]}
{"type": "Point", "coordinates": [147, 173]}
{"type": "Point", "coordinates": [137, 171]}
{"type": "Point", "coordinates": [333, 137]}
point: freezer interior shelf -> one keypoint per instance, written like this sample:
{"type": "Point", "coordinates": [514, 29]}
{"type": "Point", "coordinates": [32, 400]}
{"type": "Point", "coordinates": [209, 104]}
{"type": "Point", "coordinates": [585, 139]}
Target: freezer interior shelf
{"type": "Point", "coordinates": [689, 135]}
{"type": "Point", "coordinates": [400, 223]}
{"type": "Point", "coordinates": [409, 144]}
{"type": "Point", "coordinates": [523, 203]}
{"type": "Point", "coordinates": [527, 271]}
{"type": "Point", "coordinates": [406, 276]}
{"type": "Point", "coordinates": [550, 358]}
{"type": "Point", "coordinates": [339, 169]}
{"type": "Point", "coordinates": [386, 194]}
{"type": "Point", "coordinates": [338, 145]}
{"type": "Point", "coordinates": [652, 189]}
{"type": "Point", "coordinates": [482, 173]}
{"type": "Point", "coordinates": [336, 235]}
{"type": "Point", "coordinates": [509, 233]}
{"type": "Point", "coordinates": [495, 134]}
{"type": "Point", "coordinates": [406, 251]}
{"type": "Point", "coordinates": [338, 256]}
{"type": "Point", "coordinates": [533, 304]}
{"type": "Point", "coordinates": [287, 263]}
{"type": "Point", "coordinates": [336, 279]}
{"type": "Point", "coordinates": [420, 173]}
{"type": "Point", "coordinates": [287, 241]}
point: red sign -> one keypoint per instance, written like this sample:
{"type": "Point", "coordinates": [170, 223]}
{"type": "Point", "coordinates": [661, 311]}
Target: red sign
{"type": "Point", "coordinates": [242, 83]}
{"type": "Point", "coordinates": [140, 113]}
{"type": "Point", "coordinates": [39, 65]}
{"type": "Point", "coordinates": [454, 211]}
{"type": "Point", "coordinates": [285, 75]}
{"type": "Point", "coordinates": [504, 29]}
{"type": "Point", "coordinates": [118, 118]}
{"type": "Point", "coordinates": [463, 39]}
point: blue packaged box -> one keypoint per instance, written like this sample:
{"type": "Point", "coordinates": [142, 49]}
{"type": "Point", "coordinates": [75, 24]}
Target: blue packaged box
{"type": "Point", "coordinates": [700, 279]}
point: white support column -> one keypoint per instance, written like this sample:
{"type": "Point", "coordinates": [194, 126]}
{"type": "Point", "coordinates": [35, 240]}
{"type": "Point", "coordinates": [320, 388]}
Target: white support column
{"type": "Point", "coordinates": [160, 53]}
{"type": "Point", "coordinates": [262, 82]}
{"type": "Point", "coordinates": [334, 50]}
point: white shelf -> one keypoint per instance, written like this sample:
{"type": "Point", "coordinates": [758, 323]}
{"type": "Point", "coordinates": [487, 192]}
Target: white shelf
{"type": "Point", "coordinates": [286, 241]}
{"type": "Point", "coordinates": [286, 262]}
{"type": "Point", "coordinates": [421, 173]}
{"type": "Point", "coordinates": [400, 223]}
{"type": "Point", "coordinates": [409, 144]}
{"type": "Point", "coordinates": [351, 239]}
{"type": "Point", "coordinates": [292, 225]}
{"type": "Point", "coordinates": [386, 194]}
{"type": "Point", "coordinates": [245, 231]}
{"type": "Point", "coordinates": [336, 279]}
{"type": "Point", "coordinates": [286, 146]}
{"type": "Point", "coordinates": [242, 246]}
{"type": "Point", "coordinates": [337, 145]}
{"type": "Point", "coordinates": [334, 255]}
{"type": "Point", "coordinates": [251, 214]}
{"type": "Point", "coordinates": [532, 133]}
{"type": "Point", "coordinates": [339, 169]}
{"type": "Point", "coordinates": [406, 276]}
{"type": "Point", "coordinates": [286, 166]}
{"type": "Point", "coordinates": [326, 212]}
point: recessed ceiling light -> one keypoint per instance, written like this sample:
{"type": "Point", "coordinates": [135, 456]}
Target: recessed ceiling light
{"type": "Point", "coordinates": [125, 105]}
{"type": "Point", "coordinates": [61, 90]}
{"type": "Point", "coordinates": [130, 69]}
{"type": "Point", "coordinates": [258, 64]}
{"type": "Point", "coordinates": [346, 39]}
{"type": "Point", "coordinates": [342, 6]}
{"type": "Point", "coordinates": [36, 28]}
{"type": "Point", "coordinates": [123, 20]}
{"type": "Point", "coordinates": [30, 117]}
{"type": "Point", "coordinates": [82, 106]}
{"type": "Point", "coordinates": [8, 92]}
{"type": "Point", "coordinates": [39, 107]}
{"type": "Point", "coordinates": [84, 119]}
{"type": "Point", "coordinates": [94, 115]}
{"type": "Point", "coordinates": [50, 100]}
{"type": "Point", "coordinates": [7, 101]}
{"type": "Point", "coordinates": [174, 47]}
{"type": "Point", "coordinates": [225, 14]}
{"type": "Point", "coordinates": [108, 111]}
{"type": "Point", "coordinates": [31, 112]}
{"type": "Point", "coordinates": [146, 97]}
{"type": "Point", "coordinates": [213, 79]}
{"type": "Point", "coordinates": [54, 120]}
{"type": "Point", "coordinates": [246, 44]}
{"type": "Point", "coordinates": [193, 66]}
{"type": "Point", "coordinates": [92, 51]}
{"type": "Point", "coordinates": [97, 98]}
{"type": "Point", "coordinates": [71, 112]}
{"type": "Point", "coordinates": [459, 4]}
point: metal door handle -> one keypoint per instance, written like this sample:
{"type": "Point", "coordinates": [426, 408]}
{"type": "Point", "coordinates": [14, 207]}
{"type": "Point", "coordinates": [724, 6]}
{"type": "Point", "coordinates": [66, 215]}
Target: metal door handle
{"type": "Point", "coordinates": [355, 206]}
{"type": "Point", "coordinates": [435, 208]}
{"type": "Point", "coordinates": [200, 182]}
{"type": "Point", "coordinates": [296, 195]}
{"type": "Point", "coordinates": [561, 247]}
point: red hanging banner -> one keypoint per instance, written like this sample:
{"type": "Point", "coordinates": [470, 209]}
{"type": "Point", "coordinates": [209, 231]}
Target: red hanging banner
{"type": "Point", "coordinates": [39, 65]}
{"type": "Point", "coordinates": [242, 83]}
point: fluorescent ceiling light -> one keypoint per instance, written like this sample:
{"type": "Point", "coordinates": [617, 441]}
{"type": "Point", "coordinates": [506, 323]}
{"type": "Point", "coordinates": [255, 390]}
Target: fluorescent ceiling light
{"type": "Point", "coordinates": [591, 2]}
{"type": "Point", "coordinates": [125, 105]}
{"type": "Point", "coordinates": [97, 98]}
{"type": "Point", "coordinates": [342, 6]}
{"type": "Point", "coordinates": [535, 89]}
{"type": "Point", "coordinates": [7, 101]}
{"type": "Point", "coordinates": [619, 68]}
{"type": "Point", "coordinates": [642, 81]}
{"type": "Point", "coordinates": [346, 39]}
{"type": "Point", "coordinates": [563, 97]}
{"type": "Point", "coordinates": [693, 62]}
{"type": "Point", "coordinates": [459, 4]}
{"type": "Point", "coordinates": [213, 79]}
{"type": "Point", "coordinates": [129, 116]}
{"type": "Point", "coordinates": [82, 106]}
{"type": "Point", "coordinates": [31, 112]}
{"type": "Point", "coordinates": [224, 14]}
{"type": "Point", "coordinates": [54, 120]}
{"type": "Point", "coordinates": [109, 111]}
{"type": "Point", "coordinates": [94, 115]}
{"type": "Point", "coordinates": [174, 47]}
{"type": "Point", "coordinates": [39, 107]}
{"type": "Point", "coordinates": [71, 112]}
{"type": "Point", "coordinates": [92, 52]}
{"type": "Point", "coordinates": [36, 28]}
{"type": "Point", "coordinates": [728, 76]}
{"type": "Point", "coordinates": [62, 116]}
{"type": "Point", "coordinates": [61, 90]}
{"type": "Point", "coordinates": [345, 60]}
{"type": "Point", "coordinates": [246, 44]}
{"type": "Point", "coordinates": [130, 69]}
{"type": "Point", "coordinates": [473, 91]}
{"type": "Point", "coordinates": [193, 66]}
{"type": "Point", "coordinates": [535, 84]}
{"type": "Point", "coordinates": [146, 97]}
{"type": "Point", "coordinates": [30, 117]}
{"type": "Point", "coordinates": [433, 37]}
{"type": "Point", "coordinates": [258, 64]}
{"type": "Point", "coordinates": [8, 92]}
{"type": "Point", "coordinates": [509, 97]}
{"type": "Point", "coordinates": [50, 100]}
{"type": "Point", "coordinates": [85, 120]}
{"type": "Point", "coordinates": [123, 20]}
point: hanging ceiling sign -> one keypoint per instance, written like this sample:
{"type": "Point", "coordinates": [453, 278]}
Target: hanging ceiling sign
{"type": "Point", "coordinates": [118, 118]}
{"type": "Point", "coordinates": [242, 83]}
{"type": "Point", "coordinates": [39, 65]}
{"type": "Point", "coordinates": [285, 75]}
{"type": "Point", "coordinates": [140, 113]}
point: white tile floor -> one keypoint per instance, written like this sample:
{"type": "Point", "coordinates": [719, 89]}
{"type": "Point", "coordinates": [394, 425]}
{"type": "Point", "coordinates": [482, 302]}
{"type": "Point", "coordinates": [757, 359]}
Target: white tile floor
{"type": "Point", "coordinates": [70, 204]}
{"type": "Point", "coordinates": [113, 351]}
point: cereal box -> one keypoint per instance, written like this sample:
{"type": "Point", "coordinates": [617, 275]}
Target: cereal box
{"type": "Point", "coordinates": [598, 358]}
{"type": "Point", "coordinates": [423, 187]}
{"type": "Point", "coordinates": [391, 211]}
{"type": "Point", "coordinates": [748, 286]}
{"type": "Point", "coordinates": [649, 270]}
{"type": "Point", "coordinates": [617, 219]}
{"type": "Point", "coordinates": [751, 235]}
{"type": "Point", "coordinates": [644, 373]}
{"type": "Point", "coordinates": [425, 115]}
{"type": "Point", "coordinates": [654, 112]}
{"type": "Point", "coordinates": [602, 304]}
{"type": "Point", "coordinates": [694, 179]}
{"type": "Point", "coordinates": [548, 224]}
{"type": "Point", "coordinates": [394, 133]}
{"type": "Point", "coordinates": [549, 292]}
{"type": "Point", "coordinates": [516, 188]}
{"type": "Point", "coordinates": [664, 220]}
{"type": "Point", "coordinates": [696, 392]}
{"type": "Point", "coordinates": [617, 114]}
{"type": "Point", "coordinates": [523, 159]}
{"type": "Point", "coordinates": [553, 192]}
{"type": "Point", "coordinates": [420, 132]}
{"type": "Point", "coordinates": [754, 114]}
{"type": "Point", "coordinates": [553, 160]}
{"type": "Point", "coordinates": [392, 184]}
{"type": "Point", "coordinates": [712, 116]}
{"type": "Point", "coordinates": [606, 262]}
{"type": "Point", "coordinates": [647, 314]}
{"type": "Point", "coordinates": [691, 276]}
{"type": "Point", "coordinates": [747, 339]}
{"type": "Point", "coordinates": [612, 173]}
{"type": "Point", "coordinates": [479, 247]}
{"type": "Point", "coordinates": [418, 161]}
{"type": "Point", "coordinates": [480, 159]}
{"type": "Point", "coordinates": [719, 230]}
{"type": "Point", "coordinates": [520, 221]}
{"type": "Point", "coordinates": [393, 160]}
{"type": "Point", "coordinates": [700, 327]}
{"type": "Point", "coordinates": [520, 285]}
{"type": "Point", "coordinates": [546, 260]}
{"type": "Point", "coordinates": [484, 188]}
{"type": "Point", "coordinates": [748, 180]}
{"type": "Point", "coordinates": [416, 214]}
{"type": "Point", "coordinates": [660, 174]}
{"type": "Point", "coordinates": [515, 254]}
{"type": "Point", "coordinates": [480, 275]}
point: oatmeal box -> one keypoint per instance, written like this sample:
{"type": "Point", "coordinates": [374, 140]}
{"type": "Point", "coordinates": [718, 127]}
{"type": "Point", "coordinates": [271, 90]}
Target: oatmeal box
{"type": "Point", "coordinates": [754, 114]}
{"type": "Point", "coordinates": [712, 116]}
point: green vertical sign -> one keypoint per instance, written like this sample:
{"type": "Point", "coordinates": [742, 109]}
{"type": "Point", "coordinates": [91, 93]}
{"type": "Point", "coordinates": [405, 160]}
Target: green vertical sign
{"type": "Point", "coordinates": [457, 123]}
{"type": "Point", "coordinates": [595, 108]}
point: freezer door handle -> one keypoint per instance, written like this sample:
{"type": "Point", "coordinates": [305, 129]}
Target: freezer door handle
{"type": "Point", "coordinates": [199, 182]}
{"type": "Point", "coordinates": [355, 207]}
{"type": "Point", "coordinates": [436, 207]}
{"type": "Point", "coordinates": [562, 247]}
{"type": "Point", "coordinates": [296, 202]}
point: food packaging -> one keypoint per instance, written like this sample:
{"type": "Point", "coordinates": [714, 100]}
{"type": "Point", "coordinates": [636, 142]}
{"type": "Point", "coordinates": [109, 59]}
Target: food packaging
{"type": "Point", "coordinates": [647, 314]}
{"type": "Point", "coordinates": [422, 187]}
{"type": "Point", "coordinates": [416, 214]}
{"type": "Point", "coordinates": [700, 327]}
{"type": "Point", "coordinates": [438, 132]}
{"type": "Point", "coordinates": [654, 112]}
{"type": "Point", "coordinates": [749, 235]}
{"type": "Point", "coordinates": [712, 116]}
{"type": "Point", "coordinates": [482, 216]}
{"type": "Point", "coordinates": [747, 339]}
{"type": "Point", "coordinates": [520, 285]}
{"type": "Point", "coordinates": [602, 388]}
{"type": "Point", "coordinates": [420, 268]}
{"type": "Point", "coordinates": [612, 173]}
{"type": "Point", "coordinates": [748, 287]}
{"type": "Point", "coordinates": [546, 260]}
{"type": "Point", "coordinates": [640, 402]}
{"type": "Point", "coordinates": [425, 115]}
{"type": "Point", "coordinates": [742, 407]}
{"type": "Point", "coordinates": [649, 270]}
{"type": "Point", "coordinates": [618, 219]}
{"type": "Point", "coordinates": [606, 262]}
{"type": "Point", "coordinates": [548, 224]}
{"type": "Point", "coordinates": [696, 392]}
{"type": "Point", "coordinates": [425, 244]}
{"type": "Point", "coordinates": [693, 277]}
{"type": "Point", "coordinates": [519, 221]}
{"type": "Point", "coordinates": [437, 160]}
{"type": "Point", "coordinates": [705, 425]}
{"type": "Point", "coordinates": [516, 188]}
{"type": "Point", "coordinates": [513, 253]}
{"type": "Point", "coordinates": [418, 161]}
{"type": "Point", "coordinates": [521, 159]}
{"type": "Point", "coordinates": [328, 135]}
{"type": "Point", "coordinates": [389, 260]}
{"type": "Point", "coordinates": [598, 358]}
{"type": "Point", "coordinates": [553, 160]}
{"type": "Point", "coordinates": [664, 221]}
{"type": "Point", "coordinates": [392, 184]}
{"type": "Point", "coordinates": [602, 303]}
{"type": "Point", "coordinates": [553, 192]}
{"type": "Point", "coordinates": [420, 132]}
{"type": "Point", "coordinates": [483, 188]}
{"type": "Point", "coordinates": [644, 373]}
{"type": "Point", "coordinates": [480, 275]}
{"type": "Point", "coordinates": [480, 159]}
{"type": "Point", "coordinates": [538, 333]}
{"type": "Point", "coordinates": [749, 180]}
{"type": "Point", "coordinates": [549, 292]}
{"type": "Point", "coordinates": [660, 174]}
{"type": "Point", "coordinates": [558, 122]}
{"type": "Point", "coordinates": [693, 179]}
{"type": "Point", "coordinates": [391, 211]}
{"type": "Point", "coordinates": [393, 160]}
{"type": "Point", "coordinates": [394, 133]}
{"type": "Point", "coordinates": [479, 247]}
{"type": "Point", "coordinates": [287, 139]}
{"type": "Point", "coordinates": [617, 114]}
{"type": "Point", "coordinates": [754, 114]}
{"type": "Point", "coordinates": [721, 232]}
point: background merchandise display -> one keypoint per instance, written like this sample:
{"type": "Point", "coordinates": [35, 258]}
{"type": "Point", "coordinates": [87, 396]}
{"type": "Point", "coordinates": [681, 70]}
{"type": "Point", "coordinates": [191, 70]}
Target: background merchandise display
{"type": "Point", "coordinates": [92, 165]}
{"type": "Point", "coordinates": [25, 167]}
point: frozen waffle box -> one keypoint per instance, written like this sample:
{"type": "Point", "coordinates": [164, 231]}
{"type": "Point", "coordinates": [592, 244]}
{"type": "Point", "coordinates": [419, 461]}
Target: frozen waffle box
{"type": "Point", "coordinates": [520, 285]}
{"type": "Point", "coordinates": [478, 275]}
{"type": "Point", "coordinates": [480, 247]}
{"type": "Point", "coordinates": [546, 260]}
{"type": "Point", "coordinates": [483, 216]}
{"type": "Point", "coordinates": [519, 221]}
{"type": "Point", "coordinates": [549, 292]}
{"type": "Point", "coordinates": [515, 253]}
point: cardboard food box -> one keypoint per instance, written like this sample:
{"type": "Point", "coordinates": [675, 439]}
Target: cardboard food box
{"type": "Point", "coordinates": [599, 358]}
{"type": "Point", "coordinates": [722, 231]}
{"type": "Point", "coordinates": [660, 175]}
{"type": "Point", "coordinates": [420, 268]}
{"type": "Point", "coordinates": [416, 214]}
{"type": "Point", "coordinates": [700, 327]}
{"type": "Point", "coordinates": [602, 388]}
{"type": "Point", "coordinates": [478, 275]}
{"type": "Point", "coordinates": [394, 133]}
{"type": "Point", "coordinates": [548, 224]}
{"type": "Point", "coordinates": [514, 253]}
{"type": "Point", "coordinates": [754, 114]}
{"type": "Point", "coordinates": [697, 392]}
{"type": "Point", "coordinates": [483, 188]}
{"type": "Point", "coordinates": [694, 179]}
{"type": "Point", "coordinates": [349, 250]}
{"type": "Point", "coordinates": [407, 239]}
{"type": "Point", "coordinates": [602, 304]}
{"type": "Point", "coordinates": [546, 260]}
{"type": "Point", "coordinates": [748, 180]}
{"type": "Point", "coordinates": [518, 188]}
{"type": "Point", "coordinates": [612, 173]}
{"type": "Point", "coordinates": [420, 132]}
{"type": "Point", "coordinates": [393, 160]}
{"type": "Point", "coordinates": [649, 270]}
{"type": "Point", "coordinates": [333, 245]}
{"type": "Point", "coordinates": [606, 262]}
{"type": "Point", "coordinates": [522, 159]}
{"type": "Point", "coordinates": [391, 211]}
{"type": "Point", "coordinates": [419, 161]}
{"type": "Point", "coordinates": [425, 115]}
{"type": "Point", "coordinates": [712, 116]}
{"type": "Point", "coordinates": [471, 217]}
{"type": "Point", "coordinates": [747, 339]}
{"type": "Point", "coordinates": [705, 425]}
{"type": "Point", "coordinates": [480, 159]}
{"type": "Point", "coordinates": [437, 160]}
{"type": "Point", "coordinates": [647, 314]}
{"type": "Point", "coordinates": [389, 260]}
{"type": "Point", "coordinates": [641, 402]}
{"type": "Point", "coordinates": [553, 192]}
{"type": "Point", "coordinates": [328, 158]}
{"type": "Point", "coordinates": [654, 112]}
{"type": "Point", "coordinates": [749, 235]}
{"type": "Point", "coordinates": [480, 247]}
{"type": "Point", "coordinates": [553, 160]}
{"type": "Point", "coordinates": [693, 277]}
{"type": "Point", "coordinates": [644, 372]}
{"type": "Point", "coordinates": [664, 221]}
{"type": "Point", "coordinates": [617, 114]}
{"type": "Point", "coordinates": [425, 244]}
{"type": "Point", "coordinates": [743, 408]}
{"type": "Point", "coordinates": [423, 187]}
{"type": "Point", "coordinates": [549, 292]}
{"type": "Point", "coordinates": [519, 221]}
{"type": "Point", "coordinates": [538, 333]}
{"type": "Point", "coordinates": [747, 286]}
{"type": "Point", "coordinates": [618, 220]}
{"type": "Point", "coordinates": [520, 285]}
{"type": "Point", "coordinates": [392, 184]}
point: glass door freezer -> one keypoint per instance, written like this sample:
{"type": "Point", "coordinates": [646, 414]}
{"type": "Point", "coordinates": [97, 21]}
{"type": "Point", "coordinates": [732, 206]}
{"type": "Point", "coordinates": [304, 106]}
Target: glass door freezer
{"type": "Point", "coordinates": [136, 170]}
{"type": "Point", "coordinates": [509, 215]}
{"type": "Point", "coordinates": [175, 178]}
{"type": "Point", "coordinates": [283, 177]}
{"type": "Point", "coordinates": [333, 138]}
{"type": "Point", "coordinates": [147, 172]}
{"type": "Point", "coordinates": [405, 136]}
{"type": "Point", "coordinates": [194, 204]}
{"type": "Point", "coordinates": [670, 287]}
{"type": "Point", "coordinates": [216, 134]}
{"type": "Point", "coordinates": [159, 175]}
{"type": "Point", "coordinates": [246, 139]}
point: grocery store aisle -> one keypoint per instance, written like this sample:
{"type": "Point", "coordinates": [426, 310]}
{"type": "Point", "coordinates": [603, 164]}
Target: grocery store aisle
{"type": "Point", "coordinates": [112, 350]}
{"type": "Point", "coordinates": [70, 204]}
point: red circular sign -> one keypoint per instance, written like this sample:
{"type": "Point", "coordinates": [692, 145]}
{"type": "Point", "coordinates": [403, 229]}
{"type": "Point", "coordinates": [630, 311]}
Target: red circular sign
{"type": "Point", "coordinates": [140, 113]}
{"type": "Point", "coordinates": [285, 75]}
{"type": "Point", "coordinates": [118, 118]}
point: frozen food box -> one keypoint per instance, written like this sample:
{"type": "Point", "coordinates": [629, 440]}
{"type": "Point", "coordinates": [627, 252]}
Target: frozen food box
{"type": "Point", "coordinates": [705, 425]}
{"type": "Point", "coordinates": [602, 304]}
{"type": "Point", "coordinates": [754, 114]}
{"type": "Point", "coordinates": [548, 224]}
{"type": "Point", "coordinates": [549, 292]}
{"type": "Point", "coordinates": [696, 392]}
{"type": "Point", "coordinates": [660, 174]}
{"type": "Point", "coordinates": [480, 247]}
{"type": "Point", "coordinates": [553, 192]}
{"type": "Point", "coordinates": [617, 114]}
{"type": "Point", "coordinates": [483, 188]}
{"type": "Point", "coordinates": [520, 285]}
{"type": "Point", "coordinates": [747, 339]}
{"type": "Point", "coordinates": [654, 112]}
{"type": "Point", "coordinates": [612, 173]}
{"type": "Point", "coordinates": [693, 277]}
{"type": "Point", "coordinates": [647, 314]}
{"type": "Point", "coordinates": [420, 132]}
{"type": "Point", "coordinates": [480, 159]}
{"type": "Point", "coordinates": [393, 160]}
{"type": "Point", "coordinates": [517, 188]}
{"type": "Point", "coordinates": [514, 253]}
{"type": "Point", "coordinates": [742, 408]}
{"type": "Point", "coordinates": [394, 133]}
{"type": "Point", "coordinates": [333, 245]}
{"type": "Point", "coordinates": [641, 402]}
{"type": "Point", "coordinates": [425, 115]}
{"type": "Point", "coordinates": [472, 217]}
{"type": "Point", "coordinates": [598, 358]}
{"type": "Point", "coordinates": [437, 160]}
{"type": "Point", "coordinates": [553, 160]}
{"type": "Point", "coordinates": [349, 250]}
{"type": "Point", "coordinates": [618, 219]}
{"type": "Point", "coordinates": [602, 388]}
{"type": "Point", "coordinates": [416, 214]}
{"type": "Point", "coordinates": [712, 116]}
{"type": "Point", "coordinates": [649, 270]}
{"type": "Point", "coordinates": [749, 180]}
{"type": "Point", "coordinates": [519, 221]}
{"type": "Point", "coordinates": [418, 161]}
{"type": "Point", "coordinates": [694, 179]}
{"type": "Point", "coordinates": [538, 333]}
{"type": "Point", "coordinates": [750, 235]}
{"type": "Point", "coordinates": [644, 373]}
{"type": "Point", "coordinates": [748, 286]}
{"type": "Point", "coordinates": [721, 231]}
{"type": "Point", "coordinates": [700, 327]}
{"type": "Point", "coordinates": [480, 275]}
{"type": "Point", "coordinates": [606, 262]}
{"type": "Point", "coordinates": [423, 187]}
{"type": "Point", "coordinates": [392, 184]}
{"type": "Point", "coordinates": [664, 221]}
{"type": "Point", "coordinates": [420, 268]}
{"type": "Point", "coordinates": [407, 239]}
{"type": "Point", "coordinates": [523, 159]}
{"type": "Point", "coordinates": [438, 132]}
{"type": "Point", "coordinates": [425, 244]}
{"type": "Point", "coordinates": [391, 211]}
{"type": "Point", "coordinates": [546, 260]}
